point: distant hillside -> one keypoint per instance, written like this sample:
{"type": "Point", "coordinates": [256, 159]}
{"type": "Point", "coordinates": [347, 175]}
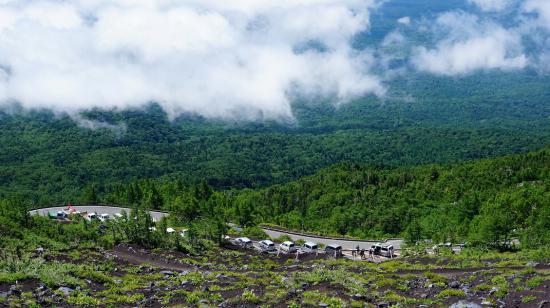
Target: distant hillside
{"type": "Point", "coordinates": [49, 158]}
{"type": "Point", "coordinates": [487, 200]}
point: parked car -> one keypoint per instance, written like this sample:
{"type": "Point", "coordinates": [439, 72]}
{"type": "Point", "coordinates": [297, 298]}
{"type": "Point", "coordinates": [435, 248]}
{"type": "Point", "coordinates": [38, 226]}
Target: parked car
{"type": "Point", "coordinates": [170, 230]}
{"type": "Point", "coordinates": [61, 215]}
{"type": "Point", "coordinates": [267, 245]}
{"type": "Point", "coordinates": [376, 248]}
{"type": "Point", "coordinates": [382, 250]}
{"type": "Point", "coordinates": [288, 247]}
{"type": "Point", "coordinates": [244, 242]}
{"type": "Point", "coordinates": [334, 250]}
{"type": "Point", "coordinates": [183, 232]}
{"type": "Point", "coordinates": [118, 216]}
{"type": "Point", "coordinates": [91, 216]}
{"type": "Point", "coordinates": [386, 251]}
{"type": "Point", "coordinates": [104, 217]}
{"type": "Point", "coordinates": [309, 247]}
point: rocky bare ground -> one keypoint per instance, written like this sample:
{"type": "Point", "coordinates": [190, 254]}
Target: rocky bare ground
{"type": "Point", "coordinates": [129, 276]}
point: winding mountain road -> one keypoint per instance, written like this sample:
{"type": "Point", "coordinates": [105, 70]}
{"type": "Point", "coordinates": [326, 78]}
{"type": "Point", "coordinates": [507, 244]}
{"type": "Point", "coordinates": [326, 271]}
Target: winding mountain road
{"type": "Point", "coordinates": [99, 209]}
{"type": "Point", "coordinates": [346, 244]}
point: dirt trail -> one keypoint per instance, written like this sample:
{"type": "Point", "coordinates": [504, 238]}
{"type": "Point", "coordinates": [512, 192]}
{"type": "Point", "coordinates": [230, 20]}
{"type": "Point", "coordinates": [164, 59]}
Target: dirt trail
{"type": "Point", "coordinates": [138, 257]}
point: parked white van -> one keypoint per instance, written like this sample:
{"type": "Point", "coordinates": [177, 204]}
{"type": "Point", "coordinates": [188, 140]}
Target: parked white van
{"type": "Point", "coordinates": [267, 245]}
{"type": "Point", "coordinates": [382, 250]}
{"type": "Point", "coordinates": [243, 242]}
{"type": "Point", "coordinates": [288, 247]}
{"type": "Point", "coordinates": [387, 251]}
{"type": "Point", "coordinates": [91, 216]}
{"type": "Point", "coordinates": [309, 247]}
{"type": "Point", "coordinates": [104, 217]}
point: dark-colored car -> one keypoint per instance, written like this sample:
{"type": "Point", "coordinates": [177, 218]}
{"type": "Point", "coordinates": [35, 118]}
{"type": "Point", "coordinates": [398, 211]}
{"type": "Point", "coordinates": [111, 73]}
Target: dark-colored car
{"type": "Point", "coordinates": [333, 250]}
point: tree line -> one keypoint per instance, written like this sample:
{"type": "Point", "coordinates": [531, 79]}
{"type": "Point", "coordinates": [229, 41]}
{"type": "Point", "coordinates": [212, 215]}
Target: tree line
{"type": "Point", "coordinates": [485, 202]}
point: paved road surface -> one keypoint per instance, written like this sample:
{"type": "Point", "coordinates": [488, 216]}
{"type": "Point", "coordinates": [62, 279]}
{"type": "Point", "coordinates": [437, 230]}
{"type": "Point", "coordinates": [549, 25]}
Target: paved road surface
{"type": "Point", "coordinates": [111, 210]}
{"type": "Point", "coordinates": [346, 244]}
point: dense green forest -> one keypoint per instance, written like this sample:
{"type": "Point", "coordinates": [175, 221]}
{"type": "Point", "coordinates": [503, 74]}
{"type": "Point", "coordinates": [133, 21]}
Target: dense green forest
{"type": "Point", "coordinates": [49, 158]}
{"type": "Point", "coordinates": [486, 202]}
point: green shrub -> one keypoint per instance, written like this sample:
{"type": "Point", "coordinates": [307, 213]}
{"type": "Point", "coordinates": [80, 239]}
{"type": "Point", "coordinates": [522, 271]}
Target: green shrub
{"type": "Point", "coordinates": [283, 238]}
{"type": "Point", "coordinates": [12, 277]}
{"type": "Point", "coordinates": [528, 299]}
{"type": "Point", "coordinates": [534, 282]}
{"type": "Point", "coordinates": [451, 293]}
{"type": "Point", "coordinates": [90, 273]}
{"type": "Point", "coordinates": [81, 299]}
{"type": "Point", "coordinates": [435, 278]}
{"type": "Point", "coordinates": [255, 233]}
{"type": "Point", "coordinates": [251, 297]}
{"type": "Point", "coordinates": [59, 274]}
{"type": "Point", "coordinates": [193, 297]}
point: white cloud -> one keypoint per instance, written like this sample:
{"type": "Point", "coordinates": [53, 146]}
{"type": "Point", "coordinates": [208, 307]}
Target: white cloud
{"type": "Point", "coordinates": [542, 9]}
{"type": "Point", "coordinates": [470, 45]}
{"type": "Point", "coordinates": [404, 20]}
{"type": "Point", "coordinates": [394, 38]}
{"type": "Point", "coordinates": [215, 58]}
{"type": "Point", "coordinates": [492, 5]}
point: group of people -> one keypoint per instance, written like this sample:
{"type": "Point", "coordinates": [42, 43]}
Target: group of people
{"type": "Point", "coordinates": [361, 253]}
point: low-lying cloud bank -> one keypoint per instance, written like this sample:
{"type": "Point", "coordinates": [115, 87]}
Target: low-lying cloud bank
{"type": "Point", "coordinates": [243, 59]}
{"type": "Point", "coordinates": [215, 58]}
{"type": "Point", "coordinates": [470, 45]}
{"type": "Point", "coordinates": [465, 42]}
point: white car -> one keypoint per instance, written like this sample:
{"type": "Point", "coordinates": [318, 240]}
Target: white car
{"type": "Point", "coordinates": [382, 250]}
{"type": "Point", "coordinates": [267, 245]}
{"type": "Point", "coordinates": [170, 230]}
{"type": "Point", "coordinates": [104, 217]}
{"type": "Point", "coordinates": [243, 242]}
{"type": "Point", "coordinates": [91, 216]}
{"type": "Point", "coordinates": [288, 247]}
{"type": "Point", "coordinates": [309, 247]}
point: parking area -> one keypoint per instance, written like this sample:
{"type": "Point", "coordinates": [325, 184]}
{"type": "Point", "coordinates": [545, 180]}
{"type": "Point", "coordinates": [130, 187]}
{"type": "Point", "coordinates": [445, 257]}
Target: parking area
{"type": "Point", "coordinates": [322, 250]}
{"type": "Point", "coordinates": [98, 209]}
{"type": "Point", "coordinates": [347, 244]}
{"type": "Point", "coordinates": [357, 250]}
